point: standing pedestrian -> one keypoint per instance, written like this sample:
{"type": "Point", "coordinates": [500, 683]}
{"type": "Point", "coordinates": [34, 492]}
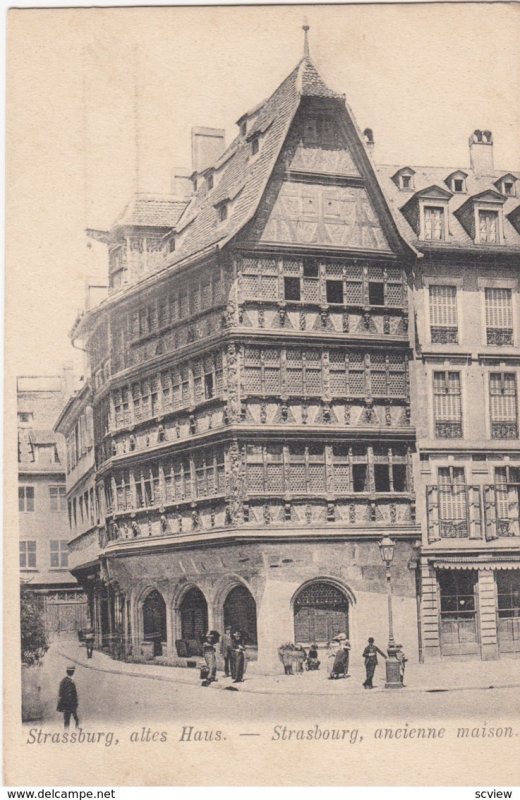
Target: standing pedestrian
{"type": "Point", "coordinates": [209, 651]}
{"type": "Point", "coordinates": [89, 640]}
{"type": "Point", "coordinates": [340, 666]}
{"type": "Point", "coordinates": [370, 655]}
{"type": "Point", "coordinates": [238, 661]}
{"type": "Point", "coordinates": [399, 654]}
{"type": "Point", "coordinates": [68, 699]}
{"type": "Point", "coordinates": [227, 650]}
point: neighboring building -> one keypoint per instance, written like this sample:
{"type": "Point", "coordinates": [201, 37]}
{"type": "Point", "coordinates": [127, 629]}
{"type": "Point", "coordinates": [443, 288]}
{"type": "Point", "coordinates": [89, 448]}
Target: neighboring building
{"type": "Point", "coordinates": [466, 223]}
{"type": "Point", "coordinates": [75, 424]}
{"type": "Point", "coordinates": [269, 341]}
{"type": "Point", "coordinates": [43, 525]}
{"type": "Point", "coordinates": [251, 393]}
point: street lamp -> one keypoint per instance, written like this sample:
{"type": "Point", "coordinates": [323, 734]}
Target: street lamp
{"type": "Point", "coordinates": [393, 677]}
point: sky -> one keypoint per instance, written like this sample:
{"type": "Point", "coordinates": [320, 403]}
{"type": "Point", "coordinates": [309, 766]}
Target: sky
{"type": "Point", "coordinates": [102, 101]}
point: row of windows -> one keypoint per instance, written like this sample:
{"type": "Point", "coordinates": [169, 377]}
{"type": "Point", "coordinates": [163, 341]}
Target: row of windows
{"type": "Point", "coordinates": [83, 510]}
{"type": "Point", "coordinates": [457, 589]}
{"type": "Point", "coordinates": [188, 477]}
{"type": "Point", "coordinates": [80, 440]}
{"type": "Point", "coordinates": [447, 405]}
{"type": "Point", "coordinates": [188, 300]}
{"type": "Point", "coordinates": [444, 324]}
{"type": "Point", "coordinates": [58, 554]}
{"type": "Point", "coordinates": [26, 497]}
{"type": "Point", "coordinates": [181, 386]}
{"type": "Point", "coordinates": [296, 371]}
{"type": "Point", "coordinates": [311, 282]}
{"type": "Point", "coordinates": [302, 468]}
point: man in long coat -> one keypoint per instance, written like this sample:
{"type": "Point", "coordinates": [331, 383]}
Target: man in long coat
{"type": "Point", "coordinates": [68, 699]}
{"type": "Point", "coordinates": [370, 655]}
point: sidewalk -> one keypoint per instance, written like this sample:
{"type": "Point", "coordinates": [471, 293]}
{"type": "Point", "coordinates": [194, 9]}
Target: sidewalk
{"type": "Point", "coordinates": [433, 677]}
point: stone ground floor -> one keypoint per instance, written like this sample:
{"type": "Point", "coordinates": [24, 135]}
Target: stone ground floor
{"type": "Point", "coordinates": [155, 603]}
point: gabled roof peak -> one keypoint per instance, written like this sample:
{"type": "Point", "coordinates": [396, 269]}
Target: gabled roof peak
{"type": "Point", "coordinates": [309, 82]}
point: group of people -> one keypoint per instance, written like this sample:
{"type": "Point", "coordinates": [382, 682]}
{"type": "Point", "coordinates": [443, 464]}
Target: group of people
{"type": "Point", "coordinates": [233, 648]}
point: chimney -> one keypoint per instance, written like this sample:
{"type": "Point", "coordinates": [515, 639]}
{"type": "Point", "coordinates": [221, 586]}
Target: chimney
{"type": "Point", "coordinates": [67, 379]}
{"type": "Point", "coordinates": [181, 185]}
{"type": "Point", "coordinates": [368, 136]}
{"type": "Point", "coordinates": [481, 153]}
{"type": "Point", "coordinates": [207, 144]}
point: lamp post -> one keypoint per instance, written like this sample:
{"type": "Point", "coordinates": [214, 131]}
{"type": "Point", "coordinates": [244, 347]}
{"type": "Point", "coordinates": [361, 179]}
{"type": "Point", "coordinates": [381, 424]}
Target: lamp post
{"type": "Point", "coordinates": [393, 677]}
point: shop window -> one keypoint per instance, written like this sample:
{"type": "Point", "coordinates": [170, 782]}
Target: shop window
{"type": "Point", "coordinates": [508, 610]}
{"type": "Point", "coordinates": [458, 617]}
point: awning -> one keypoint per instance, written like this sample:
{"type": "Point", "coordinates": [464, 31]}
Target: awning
{"type": "Point", "coordinates": [475, 563]}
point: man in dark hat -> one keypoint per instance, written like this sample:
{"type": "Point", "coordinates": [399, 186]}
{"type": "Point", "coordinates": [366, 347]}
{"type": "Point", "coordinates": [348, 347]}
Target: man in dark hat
{"type": "Point", "coordinates": [370, 655]}
{"type": "Point", "coordinates": [227, 650]}
{"type": "Point", "coordinates": [68, 698]}
{"type": "Point", "coordinates": [238, 662]}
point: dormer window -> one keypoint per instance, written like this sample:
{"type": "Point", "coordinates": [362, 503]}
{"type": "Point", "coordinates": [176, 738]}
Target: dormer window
{"type": "Point", "coordinates": [404, 179]}
{"type": "Point", "coordinates": [210, 181]}
{"type": "Point", "coordinates": [243, 128]}
{"type": "Point", "coordinates": [434, 223]}
{"type": "Point", "coordinates": [507, 185]}
{"type": "Point", "coordinates": [456, 182]}
{"type": "Point", "coordinates": [171, 244]}
{"type": "Point", "coordinates": [255, 145]}
{"type": "Point", "coordinates": [222, 211]}
{"type": "Point", "coordinates": [482, 217]}
{"type": "Point", "coordinates": [488, 227]}
{"type": "Point", "coordinates": [427, 213]}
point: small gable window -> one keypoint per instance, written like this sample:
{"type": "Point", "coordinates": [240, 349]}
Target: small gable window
{"type": "Point", "coordinates": [434, 225]}
{"type": "Point", "coordinates": [506, 184]}
{"type": "Point", "coordinates": [456, 182]}
{"type": "Point", "coordinates": [255, 145]}
{"type": "Point", "coordinates": [222, 212]}
{"type": "Point", "coordinates": [171, 244]}
{"type": "Point", "coordinates": [509, 188]}
{"type": "Point", "coordinates": [210, 181]}
{"type": "Point", "coordinates": [404, 179]}
{"type": "Point", "coordinates": [243, 128]}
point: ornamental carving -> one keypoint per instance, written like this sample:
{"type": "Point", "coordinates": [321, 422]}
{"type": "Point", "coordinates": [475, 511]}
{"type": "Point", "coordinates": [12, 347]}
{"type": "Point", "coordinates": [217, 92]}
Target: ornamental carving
{"type": "Point", "coordinates": [504, 430]}
{"type": "Point", "coordinates": [444, 335]}
{"type": "Point", "coordinates": [303, 320]}
{"type": "Point", "coordinates": [308, 514]}
{"type": "Point", "coordinates": [346, 322]}
{"type": "Point", "coordinates": [233, 403]}
{"type": "Point", "coordinates": [448, 430]}
{"type": "Point", "coordinates": [261, 317]}
{"type": "Point", "coordinates": [500, 336]}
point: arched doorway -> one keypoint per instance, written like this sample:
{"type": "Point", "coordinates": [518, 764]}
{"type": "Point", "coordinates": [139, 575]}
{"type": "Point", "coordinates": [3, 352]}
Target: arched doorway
{"type": "Point", "coordinates": [154, 621]}
{"type": "Point", "coordinates": [194, 620]}
{"type": "Point", "coordinates": [320, 613]}
{"type": "Point", "coordinates": [240, 613]}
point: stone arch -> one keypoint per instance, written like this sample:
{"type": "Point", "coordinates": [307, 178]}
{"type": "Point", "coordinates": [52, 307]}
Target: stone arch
{"type": "Point", "coordinates": [321, 609]}
{"type": "Point", "coordinates": [239, 612]}
{"type": "Point", "coordinates": [192, 612]}
{"type": "Point", "coordinates": [153, 612]}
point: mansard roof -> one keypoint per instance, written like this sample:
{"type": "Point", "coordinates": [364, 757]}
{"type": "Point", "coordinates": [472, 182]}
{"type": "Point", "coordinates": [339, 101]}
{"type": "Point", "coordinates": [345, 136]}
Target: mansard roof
{"type": "Point", "coordinates": [477, 188]}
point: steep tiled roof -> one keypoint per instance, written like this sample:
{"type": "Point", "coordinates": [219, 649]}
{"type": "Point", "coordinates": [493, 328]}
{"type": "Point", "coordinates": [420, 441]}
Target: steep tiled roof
{"type": "Point", "coordinates": [152, 211]}
{"type": "Point", "coordinates": [458, 237]}
{"type": "Point", "coordinates": [243, 178]}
